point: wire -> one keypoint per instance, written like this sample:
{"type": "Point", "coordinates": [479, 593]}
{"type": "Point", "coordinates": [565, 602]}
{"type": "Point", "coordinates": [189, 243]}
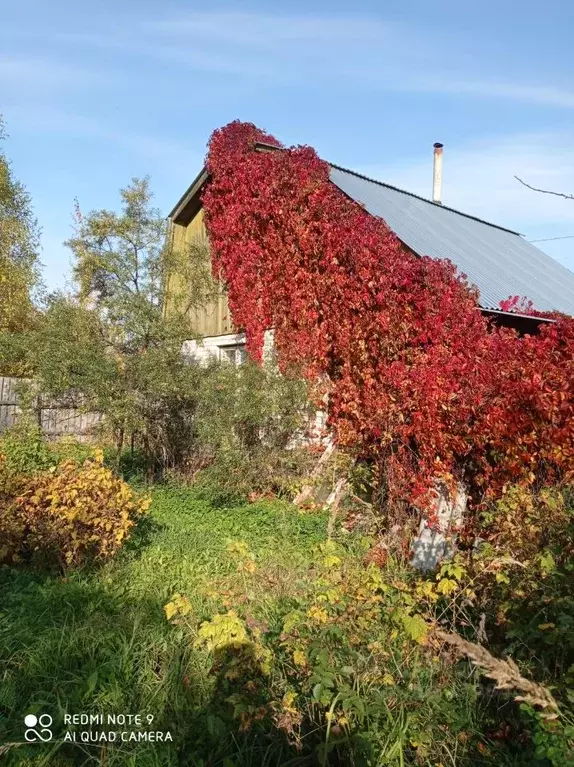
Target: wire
{"type": "Point", "coordinates": [548, 239]}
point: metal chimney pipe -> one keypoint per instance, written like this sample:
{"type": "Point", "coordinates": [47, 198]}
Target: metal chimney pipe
{"type": "Point", "coordinates": [437, 174]}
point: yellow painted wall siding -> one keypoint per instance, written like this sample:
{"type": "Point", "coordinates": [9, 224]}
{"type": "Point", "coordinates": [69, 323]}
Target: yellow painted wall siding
{"type": "Point", "coordinates": [214, 318]}
{"type": "Point", "coordinates": [195, 230]}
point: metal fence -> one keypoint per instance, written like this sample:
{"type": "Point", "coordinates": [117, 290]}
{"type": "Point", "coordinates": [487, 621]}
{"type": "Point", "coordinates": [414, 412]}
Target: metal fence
{"type": "Point", "coordinates": [56, 417]}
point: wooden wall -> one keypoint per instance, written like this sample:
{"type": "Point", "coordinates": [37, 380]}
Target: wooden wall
{"type": "Point", "coordinates": [214, 319]}
{"type": "Point", "coordinates": [56, 418]}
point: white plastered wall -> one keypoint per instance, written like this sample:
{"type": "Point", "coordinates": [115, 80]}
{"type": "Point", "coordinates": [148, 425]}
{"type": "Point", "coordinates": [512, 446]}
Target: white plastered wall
{"type": "Point", "coordinates": [211, 347]}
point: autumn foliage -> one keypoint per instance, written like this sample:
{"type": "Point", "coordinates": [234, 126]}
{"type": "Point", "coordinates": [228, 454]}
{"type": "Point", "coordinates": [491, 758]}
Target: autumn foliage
{"type": "Point", "coordinates": [419, 381]}
{"type": "Point", "coordinates": [71, 515]}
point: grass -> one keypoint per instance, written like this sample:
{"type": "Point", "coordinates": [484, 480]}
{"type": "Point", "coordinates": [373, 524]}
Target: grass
{"type": "Point", "coordinates": [99, 641]}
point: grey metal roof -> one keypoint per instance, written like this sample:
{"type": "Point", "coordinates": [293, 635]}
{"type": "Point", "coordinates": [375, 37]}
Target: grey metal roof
{"type": "Point", "coordinates": [501, 263]}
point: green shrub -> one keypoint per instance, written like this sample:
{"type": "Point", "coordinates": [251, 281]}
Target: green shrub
{"type": "Point", "coordinates": [70, 449]}
{"type": "Point", "coordinates": [233, 477]}
{"type": "Point", "coordinates": [349, 662]}
{"type": "Point", "coordinates": [247, 424]}
{"type": "Point", "coordinates": [24, 449]}
{"type": "Point", "coordinates": [336, 661]}
{"type": "Point", "coordinates": [519, 579]}
{"type": "Point", "coordinates": [514, 592]}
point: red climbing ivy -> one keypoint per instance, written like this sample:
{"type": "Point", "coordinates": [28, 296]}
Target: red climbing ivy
{"type": "Point", "coordinates": [419, 382]}
{"type": "Point", "coordinates": [518, 304]}
{"type": "Point", "coordinates": [524, 305]}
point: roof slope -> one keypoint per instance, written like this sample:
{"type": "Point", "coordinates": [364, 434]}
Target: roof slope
{"type": "Point", "coordinates": [501, 263]}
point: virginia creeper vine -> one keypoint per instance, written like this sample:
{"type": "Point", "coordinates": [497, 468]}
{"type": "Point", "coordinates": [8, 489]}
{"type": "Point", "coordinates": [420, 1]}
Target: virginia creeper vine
{"type": "Point", "coordinates": [419, 381]}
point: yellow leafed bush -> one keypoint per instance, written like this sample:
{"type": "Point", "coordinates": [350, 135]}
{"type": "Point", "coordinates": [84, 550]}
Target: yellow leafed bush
{"type": "Point", "coordinates": [73, 514]}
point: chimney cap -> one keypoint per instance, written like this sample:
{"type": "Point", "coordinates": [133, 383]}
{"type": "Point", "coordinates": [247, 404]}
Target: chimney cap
{"type": "Point", "coordinates": [438, 145]}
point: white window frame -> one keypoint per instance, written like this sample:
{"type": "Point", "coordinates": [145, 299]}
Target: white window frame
{"type": "Point", "coordinates": [233, 352]}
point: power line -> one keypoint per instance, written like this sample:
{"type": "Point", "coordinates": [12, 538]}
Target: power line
{"type": "Point", "coordinates": [549, 239]}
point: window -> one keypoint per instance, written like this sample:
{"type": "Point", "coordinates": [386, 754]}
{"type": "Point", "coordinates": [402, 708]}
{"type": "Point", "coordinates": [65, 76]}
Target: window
{"type": "Point", "coordinates": [235, 354]}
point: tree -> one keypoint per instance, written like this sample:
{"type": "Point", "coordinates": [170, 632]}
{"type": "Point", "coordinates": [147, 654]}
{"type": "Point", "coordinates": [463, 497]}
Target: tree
{"type": "Point", "coordinates": [112, 343]}
{"type": "Point", "coordinates": [19, 274]}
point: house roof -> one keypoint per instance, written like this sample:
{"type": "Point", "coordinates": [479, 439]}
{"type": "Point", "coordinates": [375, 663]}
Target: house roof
{"type": "Point", "coordinates": [498, 261]}
{"type": "Point", "coordinates": [190, 201]}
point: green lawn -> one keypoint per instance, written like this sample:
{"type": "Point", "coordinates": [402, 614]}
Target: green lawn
{"type": "Point", "coordinates": [99, 641]}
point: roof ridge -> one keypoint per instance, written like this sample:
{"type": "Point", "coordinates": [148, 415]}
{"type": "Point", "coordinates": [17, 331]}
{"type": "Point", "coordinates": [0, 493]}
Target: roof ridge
{"type": "Point", "coordinates": [423, 199]}
{"type": "Point", "coordinates": [266, 147]}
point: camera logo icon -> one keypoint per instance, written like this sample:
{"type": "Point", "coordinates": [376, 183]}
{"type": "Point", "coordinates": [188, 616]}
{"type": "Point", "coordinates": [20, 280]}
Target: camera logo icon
{"type": "Point", "coordinates": [43, 723]}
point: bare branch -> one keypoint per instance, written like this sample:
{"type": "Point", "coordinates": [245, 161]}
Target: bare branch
{"type": "Point", "coordinates": [545, 191]}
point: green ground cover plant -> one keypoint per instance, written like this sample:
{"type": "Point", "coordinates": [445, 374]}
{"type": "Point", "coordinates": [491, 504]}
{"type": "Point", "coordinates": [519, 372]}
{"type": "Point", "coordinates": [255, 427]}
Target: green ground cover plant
{"type": "Point", "coordinates": [254, 641]}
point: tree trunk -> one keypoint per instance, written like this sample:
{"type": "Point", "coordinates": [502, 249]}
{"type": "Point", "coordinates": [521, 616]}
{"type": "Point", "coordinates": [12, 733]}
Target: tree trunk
{"type": "Point", "coordinates": [119, 447]}
{"type": "Point", "coordinates": [305, 493]}
{"type": "Point", "coordinates": [436, 543]}
{"type": "Point", "coordinates": [333, 502]}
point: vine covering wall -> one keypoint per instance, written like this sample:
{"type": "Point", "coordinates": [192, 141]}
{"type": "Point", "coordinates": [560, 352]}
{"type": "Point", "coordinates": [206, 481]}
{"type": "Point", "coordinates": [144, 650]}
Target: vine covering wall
{"type": "Point", "coordinates": [419, 382]}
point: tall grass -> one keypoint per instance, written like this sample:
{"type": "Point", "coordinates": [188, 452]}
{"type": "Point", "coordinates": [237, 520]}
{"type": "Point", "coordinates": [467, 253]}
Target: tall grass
{"type": "Point", "coordinates": [97, 641]}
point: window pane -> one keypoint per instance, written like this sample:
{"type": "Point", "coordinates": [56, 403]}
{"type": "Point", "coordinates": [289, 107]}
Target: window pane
{"type": "Point", "coordinates": [235, 354]}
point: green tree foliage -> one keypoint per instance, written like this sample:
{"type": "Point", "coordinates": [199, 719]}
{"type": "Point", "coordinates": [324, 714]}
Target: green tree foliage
{"type": "Point", "coordinates": [119, 261]}
{"type": "Point", "coordinates": [19, 234]}
{"type": "Point", "coordinates": [19, 244]}
{"type": "Point", "coordinates": [122, 263]}
{"type": "Point", "coordinates": [112, 343]}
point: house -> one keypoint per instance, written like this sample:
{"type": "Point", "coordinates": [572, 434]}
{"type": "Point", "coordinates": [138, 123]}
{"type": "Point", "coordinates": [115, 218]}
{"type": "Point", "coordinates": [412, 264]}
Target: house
{"type": "Point", "coordinates": [498, 261]}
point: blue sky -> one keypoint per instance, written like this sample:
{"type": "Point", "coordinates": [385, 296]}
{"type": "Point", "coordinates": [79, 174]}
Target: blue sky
{"type": "Point", "coordinates": [96, 93]}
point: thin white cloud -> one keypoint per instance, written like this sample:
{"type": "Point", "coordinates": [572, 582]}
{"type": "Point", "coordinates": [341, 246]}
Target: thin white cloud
{"type": "Point", "coordinates": [323, 50]}
{"type": "Point", "coordinates": [479, 178]}
{"type": "Point", "coordinates": [266, 30]}
{"type": "Point", "coordinates": [492, 88]}
{"type": "Point", "coordinates": [18, 72]}
{"type": "Point", "coordinates": [157, 151]}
